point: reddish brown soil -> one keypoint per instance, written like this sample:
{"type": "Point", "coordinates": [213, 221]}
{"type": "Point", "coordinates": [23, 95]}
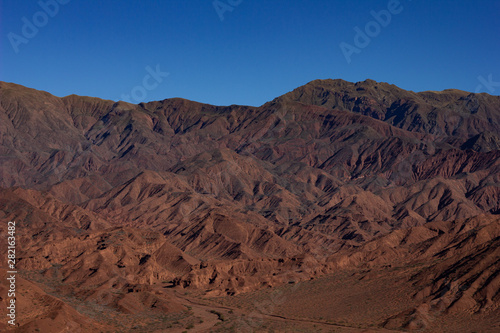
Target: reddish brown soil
{"type": "Point", "coordinates": [356, 207]}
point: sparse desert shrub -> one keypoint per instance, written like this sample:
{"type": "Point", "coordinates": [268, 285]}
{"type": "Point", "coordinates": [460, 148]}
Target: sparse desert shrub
{"type": "Point", "coordinates": [220, 315]}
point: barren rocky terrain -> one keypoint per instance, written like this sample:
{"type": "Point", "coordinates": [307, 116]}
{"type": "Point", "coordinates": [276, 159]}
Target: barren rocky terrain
{"type": "Point", "coordinates": [337, 207]}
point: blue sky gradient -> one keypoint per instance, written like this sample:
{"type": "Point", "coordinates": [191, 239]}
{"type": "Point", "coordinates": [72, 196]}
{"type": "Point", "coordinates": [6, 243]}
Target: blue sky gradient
{"type": "Point", "coordinates": [259, 50]}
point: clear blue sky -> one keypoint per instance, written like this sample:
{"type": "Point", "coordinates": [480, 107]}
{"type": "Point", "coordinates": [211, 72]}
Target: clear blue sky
{"type": "Point", "coordinates": [260, 50]}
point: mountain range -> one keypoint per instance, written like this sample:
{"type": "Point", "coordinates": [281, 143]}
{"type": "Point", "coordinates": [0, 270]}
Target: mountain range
{"type": "Point", "coordinates": [366, 207]}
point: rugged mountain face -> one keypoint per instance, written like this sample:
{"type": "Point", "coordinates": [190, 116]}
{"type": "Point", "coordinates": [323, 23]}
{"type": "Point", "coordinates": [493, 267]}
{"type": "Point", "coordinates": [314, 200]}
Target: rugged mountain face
{"type": "Point", "coordinates": [458, 117]}
{"type": "Point", "coordinates": [114, 198]}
